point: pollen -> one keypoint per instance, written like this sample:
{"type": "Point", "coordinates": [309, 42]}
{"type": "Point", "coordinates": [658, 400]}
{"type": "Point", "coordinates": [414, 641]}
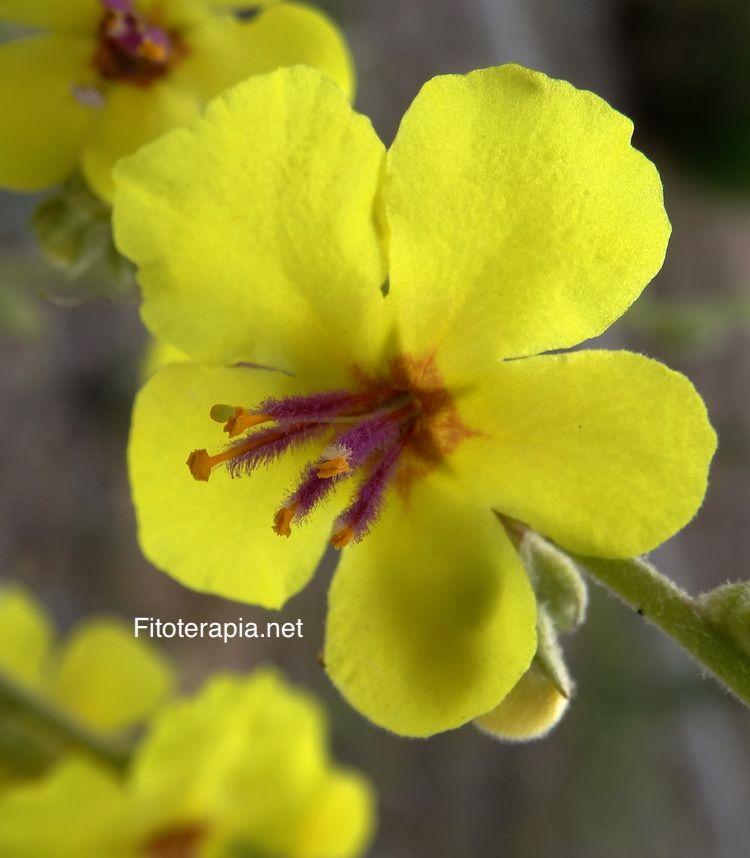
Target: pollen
{"type": "Point", "coordinates": [342, 537]}
{"type": "Point", "coordinates": [333, 467]}
{"type": "Point", "coordinates": [154, 51]}
{"type": "Point", "coordinates": [282, 521]}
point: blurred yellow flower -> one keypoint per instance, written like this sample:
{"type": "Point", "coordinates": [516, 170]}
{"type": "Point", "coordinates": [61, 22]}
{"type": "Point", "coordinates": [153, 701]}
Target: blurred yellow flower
{"type": "Point", "coordinates": [107, 76]}
{"type": "Point", "coordinates": [511, 217]}
{"type": "Point", "coordinates": [240, 771]}
{"type": "Point", "coordinates": [101, 676]}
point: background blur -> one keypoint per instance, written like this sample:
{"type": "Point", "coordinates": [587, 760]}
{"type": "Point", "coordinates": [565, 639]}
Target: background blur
{"type": "Point", "coordinates": [650, 760]}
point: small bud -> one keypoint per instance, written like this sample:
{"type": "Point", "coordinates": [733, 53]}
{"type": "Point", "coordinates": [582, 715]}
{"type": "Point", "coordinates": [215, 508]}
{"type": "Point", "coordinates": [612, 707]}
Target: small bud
{"type": "Point", "coordinates": [557, 582]}
{"type": "Point", "coordinates": [539, 699]}
{"type": "Point", "coordinates": [74, 232]}
{"type": "Point", "coordinates": [728, 607]}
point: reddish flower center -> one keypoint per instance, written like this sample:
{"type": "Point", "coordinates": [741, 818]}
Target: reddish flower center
{"type": "Point", "coordinates": [132, 49]}
{"type": "Point", "coordinates": [183, 842]}
{"type": "Point", "coordinates": [387, 431]}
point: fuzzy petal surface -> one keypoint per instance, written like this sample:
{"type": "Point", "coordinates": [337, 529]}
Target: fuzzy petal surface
{"type": "Point", "coordinates": [131, 117]}
{"type": "Point", "coordinates": [109, 680]}
{"type": "Point", "coordinates": [431, 617]}
{"type": "Point", "coordinates": [254, 231]}
{"type": "Point", "coordinates": [43, 126]}
{"type": "Point", "coordinates": [521, 219]}
{"type": "Point", "coordinates": [216, 537]}
{"type": "Point", "coordinates": [605, 452]}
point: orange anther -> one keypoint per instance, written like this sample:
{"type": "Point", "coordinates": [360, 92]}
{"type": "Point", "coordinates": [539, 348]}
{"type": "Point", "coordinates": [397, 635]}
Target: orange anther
{"type": "Point", "coordinates": [333, 467]}
{"type": "Point", "coordinates": [283, 519]}
{"type": "Point", "coordinates": [242, 420]}
{"type": "Point", "coordinates": [200, 465]}
{"type": "Point", "coordinates": [342, 537]}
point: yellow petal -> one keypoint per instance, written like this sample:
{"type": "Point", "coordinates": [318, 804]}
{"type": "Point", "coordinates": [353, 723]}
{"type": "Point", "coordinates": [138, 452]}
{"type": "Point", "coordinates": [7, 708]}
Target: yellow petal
{"type": "Point", "coordinates": [224, 50]}
{"type": "Point", "coordinates": [76, 812]}
{"type": "Point", "coordinates": [109, 680]}
{"type": "Point", "coordinates": [216, 536]}
{"type": "Point", "coordinates": [131, 117]}
{"type": "Point", "coordinates": [159, 354]}
{"type": "Point", "coordinates": [521, 218]}
{"type": "Point", "coordinates": [43, 126]}
{"type": "Point", "coordinates": [606, 453]}
{"type": "Point", "coordinates": [25, 637]}
{"type": "Point", "coordinates": [339, 821]}
{"type": "Point", "coordinates": [246, 754]}
{"type": "Point", "coordinates": [431, 618]}
{"type": "Point", "coordinates": [72, 15]}
{"type": "Point", "coordinates": [254, 231]}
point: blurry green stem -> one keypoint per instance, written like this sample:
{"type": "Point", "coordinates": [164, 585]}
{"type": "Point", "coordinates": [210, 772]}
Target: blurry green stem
{"type": "Point", "coordinates": [33, 734]}
{"type": "Point", "coordinates": [659, 600]}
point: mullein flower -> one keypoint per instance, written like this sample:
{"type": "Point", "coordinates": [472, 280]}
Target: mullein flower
{"type": "Point", "coordinates": [106, 76]}
{"type": "Point", "coordinates": [405, 300]}
{"type": "Point", "coordinates": [100, 676]}
{"type": "Point", "coordinates": [241, 770]}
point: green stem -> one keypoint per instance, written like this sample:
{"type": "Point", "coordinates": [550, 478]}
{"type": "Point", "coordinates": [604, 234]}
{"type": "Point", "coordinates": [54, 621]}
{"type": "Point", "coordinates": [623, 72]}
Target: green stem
{"type": "Point", "coordinates": [662, 602]}
{"type": "Point", "coordinates": [33, 734]}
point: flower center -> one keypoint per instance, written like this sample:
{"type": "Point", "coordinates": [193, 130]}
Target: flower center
{"type": "Point", "coordinates": [181, 842]}
{"type": "Point", "coordinates": [131, 48]}
{"type": "Point", "coordinates": [387, 431]}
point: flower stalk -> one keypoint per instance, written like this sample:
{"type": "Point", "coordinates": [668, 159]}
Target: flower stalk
{"type": "Point", "coordinates": [678, 615]}
{"type": "Point", "coordinates": [33, 734]}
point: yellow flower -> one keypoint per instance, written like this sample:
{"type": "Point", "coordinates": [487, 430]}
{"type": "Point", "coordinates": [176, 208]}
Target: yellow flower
{"type": "Point", "coordinates": [101, 676]}
{"type": "Point", "coordinates": [241, 770]}
{"type": "Point", "coordinates": [107, 76]}
{"type": "Point", "coordinates": [511, 216]}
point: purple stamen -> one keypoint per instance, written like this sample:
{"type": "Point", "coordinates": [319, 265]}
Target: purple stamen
{"type": "Point", "coordinates": [271, 445]}
{"type": "Point", "coordinates": [363, 512]}
{"type": "Point", "coordinates": [368, 437]}
{"type": "Point", "coordinates": [125, 7]}
{"type": "Point", "coordinates": [357, 445]}
{"type": "Point", "coordinates": [318, 406]}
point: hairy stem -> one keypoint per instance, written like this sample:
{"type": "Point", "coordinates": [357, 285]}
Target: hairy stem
{"type": "Point", "coordinates": [33, 735]}
{"type": "Point", "coordinates": [672, 610]}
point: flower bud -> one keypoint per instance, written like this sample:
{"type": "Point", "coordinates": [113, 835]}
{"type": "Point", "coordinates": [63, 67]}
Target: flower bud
{"type": "Point", "coordinates": [728, 607]}
{"type": "Point", "coordinates": [558, 584]}
{"type": "Point", "coordinates": [539, 699]}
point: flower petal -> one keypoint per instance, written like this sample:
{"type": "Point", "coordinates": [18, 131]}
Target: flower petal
{"type": "Point", "coordinates": [521, 218]}
{"type": "Point", "coordinates": [70, 15]}
{"type": "Point", "coordinates": [431, 618]}
{"type": "Point", "coordinates": [44, 817]}
{"type": "Point", "coordinates": [254, 231]}
{"type": "Point", "coordinates": [216, 537]}
{"type": "Point", "coordinates": [225, 50]}
{"type": "Point", "coordinates": [43, 125]}
{"type": "Point", "coordinates": [25, 637]}
{"type": "Point", "coordinates": [131, 117]}
{"type": "Point", "coordinates": [606, 453]}
{"type": "Point", "coordinates": [257, 752]}
{"type": "Point", "coordinates": [339, 821]}
{"type": "Point", "coordinates": [109, 680]}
